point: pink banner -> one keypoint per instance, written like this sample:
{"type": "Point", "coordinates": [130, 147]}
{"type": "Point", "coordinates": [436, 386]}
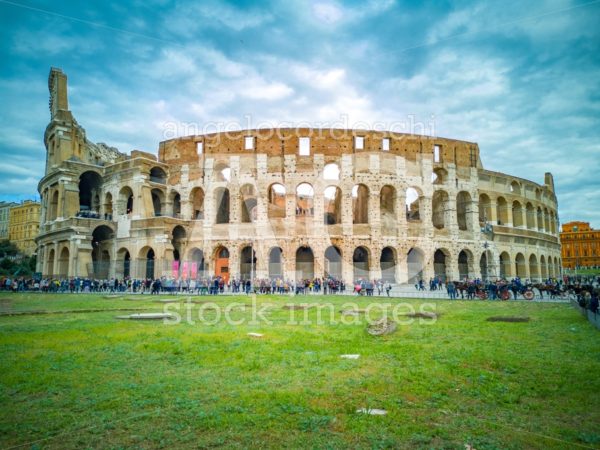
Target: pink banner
{"type": "Point", "coordinates": [175, 269]}
{"type": "Point", "coordinates": [194, 270]}
{"type": "Point", "coordinates": [184, 270]}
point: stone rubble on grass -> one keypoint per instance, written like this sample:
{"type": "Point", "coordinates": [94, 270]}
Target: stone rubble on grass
{"type": "Point", "coordinates": [372, 411]}
{"type": "Point", "coordinates": [148, 316]}
{"type": "Point", "coordinates": [255, 335]}
{"type": "Point", "coordinates": [352, 356]}
{"type": "Point", "coordinates": [382, 327]}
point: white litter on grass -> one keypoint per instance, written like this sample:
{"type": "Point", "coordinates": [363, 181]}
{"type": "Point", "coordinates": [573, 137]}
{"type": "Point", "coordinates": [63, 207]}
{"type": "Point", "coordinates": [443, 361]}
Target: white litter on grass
{"type": "Point", "coordinates": [372, 412]}
{"type": "Point", "coordinates": [350, 356]}
{"type": "Point", "coordinates": [148, 316]}
{"type": "Point", "coordinates": [255, 335]}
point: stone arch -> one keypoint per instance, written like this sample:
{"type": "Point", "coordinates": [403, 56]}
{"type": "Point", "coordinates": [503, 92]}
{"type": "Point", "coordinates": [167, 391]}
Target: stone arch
{"type": "Point", "coordinates": [175, 199]}
{"type": "Point", "coordinates": [441, 263]}
{"type": "Point", "coordinates": [305, 263]}
{"type": "Point", "coordinates": [505, 266]}
{"type": "Point", "coordinates": [148, 258]}
{"type": "Point", "coordinates": [102, 237]}
{"type": "Point", "coordinates": [502, 211]}
{"type": "Point", "coordinates": [543, 268]}
{"type": "Point", "coordinates": [485, 209]}
{"type": "Point", "coordinates": [276, 263]}
{"type": "Point", "coordinates": [123, 268]}
{"type": "Point", "coordinates": [463, 210]}
{"type": "Point", "coordinates": [248, 203]}
{"type": "Point", "coordinates": [125, 201]}
{"type": "Point", "coordinates": [333, 262]}
{"type": "Point", "coordinates": [360, 204]}
{"type": "Point", "coordinates": [439, 204]}
{"type": "Point", "coordinates": [360, 263]}
{"type": "Point", "coordinates": [439, 176]}
{"type": "Point", "coordinates": [387, 262]}
{"type": "Point", "coordinates": [50, 263]}
{"type": "Point", "coordinates": [158, 202]}
{"type": "Point", "coordinates": [415, 259]}
{"type": "Point", "coordinates": [515, 188]}
{"type": "Point", "coordinates": [517, 213]}
{"type": "Point", "coordinates": [305, 196]}
{"type": "Point", "coordinates": [221, 257]}
{"type": "Point", "coordinates": [547, 220]}
{"type": "Point", "coordinates": [90, 185]}
{"type": "Point", "coordinates": [540, 219]}
{"type": "Point", "coordinates": [331, 171]}
{"type": "Point", "coordinates": [178, 241]}
{"type": "Point", "coordinates": [276, 201]}
{"type": "Point", "coordinates": [413, 204]}
{"type": "Point", "coordinates": [387, 209]}
{"type": "Point", "coordinates": [198, 263]}
{"type": "Point", "coordinates": [247, 263]}
{"type": "Point", "coordinates": [530, 215]}
{"type": "Point", "coordinates": [520, 266]}
{"type": "Point", "coordinates": [222, 207]}
{"type": "Point", "coordinates": [484, 267]}
{"type": "Point", "coordinates": [158, 175]}
{"type": "Point", "coordinates": [222, 172]}
{"type": "Point", "coordinates": [53, 205]}
{"type": "Point", "coordinates": [534, 270]}
{"type": "Point", "coordinates": [332, 205]}
{"type": "Point", "coordinates": [108, 206]}
{"type": "Point", "coordinates": [197, 201]}
{"type": "Point", "coordinates": [63, 262]}
{"type": "Point", "coordinates": [465, 264]}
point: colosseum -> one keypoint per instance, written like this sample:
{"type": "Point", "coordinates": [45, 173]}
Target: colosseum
{"type": "Point", "coordinates": [287, 203]}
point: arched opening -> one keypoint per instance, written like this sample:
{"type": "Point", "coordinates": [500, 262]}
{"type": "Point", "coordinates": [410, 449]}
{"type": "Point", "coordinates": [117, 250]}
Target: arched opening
{"type": "Point", "coordinates": [387, 201]}
{"type": "Point", "coordinates": [158, 200]}
{"type": "Point", "coordinates": [50, 263]}
{"type": "Point", "coordinates": [101, 243]}
{"type": "Point", "coordinates": [222, 172]}
{"type": "Point", "coordinates": [360, 262]}
{"type": "Point", "coordinates": [305, 264]}
{"type": "Point", "coordinates": [484, 267]}
{"type": "Point", "coordinates": [123, 269]}
{"type": "Point", "coordinates": [439, 204]}
{"type": "Point", "coordinates": [530, 215]}
{"type": "Point", "coordinates": [464, 261]}
{"type": "Point", "coordinates": [276, 263]}
{"type": "Point", "coordinates": [198, 265]}
{"type": "Point", "coordinates": [440, 264]}
{"type": "Point", "coordinates": [413, 197]}
{"type": "Point", "coordinates": [502, 211]}
{"type": "Point", "coordinates": [553, 223]}
{"type": "Point", "coordinates": [485, 209]}
{"type": "Point", "coordinates": [197, 200]}
{"type": "Point", "coordinates": [276, 198]}
{"type": "Point", "coordinates": [387, 263]}
{"type": "Point", "coordinates": [517, 213]}
{"type": "Point", "coordinates": [305, 195]}
{"type": "Point", "coordinates": [415, 260]}
{"type": "Point", "coordinates": [176, 204]}
{"type": "Point", "coordinates": [540, 219]}
{"type": "Point", "coordinates": [332, 198]}
{"type": "Point", "coordinates": [360, 204]}
{"type": "Point", "coordinates": [547, 220]}
{"type": "Point", "coordinates": [63, 263]}
{"type": "Point", "coordinates": [248, 203]}
{"type": "Point", "coordinates": [247, 263]}
{"type": "Point", "coordinates": [158, 175]}
{"type": "Point", "coordinates": [108, 206]}
{"type": "Point", "coordinates": [90, 184]}
{"type": "Point", "coordinates": [534, 270]}
{"type": "Point", "coordinates": [333, 262]}
{"type": "Point", "coordinates": [463, 210]}
{"type": "Point", "coordinates": [178, 242]}
{"type": "Point", "coordinates": [222, 263]}
{"type": "Point", "coordinates": [521, 268]}
{"type": "Point", "coordinates": [515, 188]}
{"type": "Point", "coordinates": [53, 206]}
{"type": "Point", "coordinates": [125, 200]}
{"type": "Point", "coordinates": [331, 171]}
{"type": "Point", "coordinates": [149, 260]}
{"type": "Point", "coordinates": [505, 266]}
{"type": "Point", "coordinates": [439, 176]}
{"type": "Point", "coordinates": [543, 268]}
{"type": "Point", "coordinates": [222, 205]}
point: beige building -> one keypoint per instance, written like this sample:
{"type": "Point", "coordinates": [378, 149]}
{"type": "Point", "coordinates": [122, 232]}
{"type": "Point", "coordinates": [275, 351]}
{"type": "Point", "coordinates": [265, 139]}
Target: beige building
{"type": "Point", "coordinates": [4, 215]}
{"type": "Point", "coordinates": [24, 225]}
{"type": "Point", "coordinates": [291, 203]}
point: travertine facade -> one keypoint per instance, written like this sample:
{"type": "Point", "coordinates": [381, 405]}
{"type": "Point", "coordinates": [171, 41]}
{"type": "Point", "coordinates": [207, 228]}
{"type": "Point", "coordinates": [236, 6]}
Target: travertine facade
{"type": "Point", "coordinates": [308, 202]}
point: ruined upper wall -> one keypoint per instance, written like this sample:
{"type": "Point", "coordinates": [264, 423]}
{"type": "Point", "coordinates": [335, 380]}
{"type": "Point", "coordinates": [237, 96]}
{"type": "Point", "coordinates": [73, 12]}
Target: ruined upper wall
{"type": "Point", "coordinates": [328, 142]}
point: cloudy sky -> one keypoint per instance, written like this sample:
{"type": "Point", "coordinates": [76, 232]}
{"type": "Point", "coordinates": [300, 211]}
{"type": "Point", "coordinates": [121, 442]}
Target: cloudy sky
{"type": "Point", "coordinates": [521, 78]}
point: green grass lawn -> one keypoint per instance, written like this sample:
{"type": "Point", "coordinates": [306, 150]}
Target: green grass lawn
{"type": "Point", "coordinates": [86, 379]}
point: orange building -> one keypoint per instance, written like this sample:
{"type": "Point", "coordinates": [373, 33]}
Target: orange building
{"type": "Point", "coordinates": [580, 245]}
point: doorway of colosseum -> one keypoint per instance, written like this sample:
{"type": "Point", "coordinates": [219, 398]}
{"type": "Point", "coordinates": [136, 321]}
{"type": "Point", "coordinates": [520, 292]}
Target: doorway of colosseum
{"type": "Point", "coordinates": [247, 263]}
{"type": "Point", "coordinates": [150, 257]}
{"type": "Point", "coordinates": [90, 184]}
{"type": "Point", "coordinates": [198, 264]}
{"type": "Point", "coordinates": [439, 264]}
{"type": "Point", "coordinates": [332, 198]}
{"type": "Point", "coordinates": [483, 267]}
{"type": "Point", "coordinates": [222, 263]}
{"type": "Point", "coordinates": [123, 269]}
{"type": "Point", "coordinates": [505, 266]}
{"type": "Point", "coordinates": [333, 262]}
{"type": "Point", "coordinates": [463, 210]}
{"type": "Point", "coordinates": [248, 203]}
{"type": "Point", "coordinates": [276, 198]}
{"type": "Point", "coordinates": [101, 237]}
{"type": "Point", "coordinates": [387, 201]}
{"type": "Point", "coordinates": [360, 204]}
{"type": "Point", "coordinates": [222, 205]}
{"type": "Point", "coordinates": [388, 265]}
{"type": "Point", "coordinates": [50, 263]}
{"type": "Point", "coordinates": [415, 260]}
{"type": "Point", "coordinates": [439, 209]}
{"type": "Point", "coordinates": [360, 262]}
{"type": "Point", "coordinates": [276, 263]}
{"type": "Point", "coordinates": [305, 264]}
{"type": "Point", "coordinates": [463, 265]}
{"type": "Point", "coordinates": [197, 200]}
{"type": "Point", "coordinates": [520, 266]}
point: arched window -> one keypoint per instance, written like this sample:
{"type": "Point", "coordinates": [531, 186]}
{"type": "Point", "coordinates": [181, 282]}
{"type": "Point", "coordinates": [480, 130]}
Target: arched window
{"type": "Point", "coordinates": [360, 204]}
{"type": "Point", "coordinates": [222, 205]}
{"type": "Point", "coordinates": [276, 198]}
{"type": "Point", "coordinates": [332, 199]}
{"type": "Point", "coordinates": [305, 200]}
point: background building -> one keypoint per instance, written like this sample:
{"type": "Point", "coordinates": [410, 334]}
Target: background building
{"type": "Point", "coordinates": [4, 216]}
{"type": "Point", "coordinates": [580, 245]}
{"type": "Point", "coordinates": [288, 203]}
{"type": "Point", "coordinates": [24, 225]}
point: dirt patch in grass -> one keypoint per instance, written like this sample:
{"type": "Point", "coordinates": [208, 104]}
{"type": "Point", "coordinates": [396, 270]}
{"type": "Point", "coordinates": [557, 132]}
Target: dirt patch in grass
{"type": "Point", "coordinates": [302, 306]}
{"type": "Point", "coordinates": [5, 305]}
{"type": "Point", "coordinates": [507, 319]}
{"type": "Point", "coordinates": [423, 315]}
